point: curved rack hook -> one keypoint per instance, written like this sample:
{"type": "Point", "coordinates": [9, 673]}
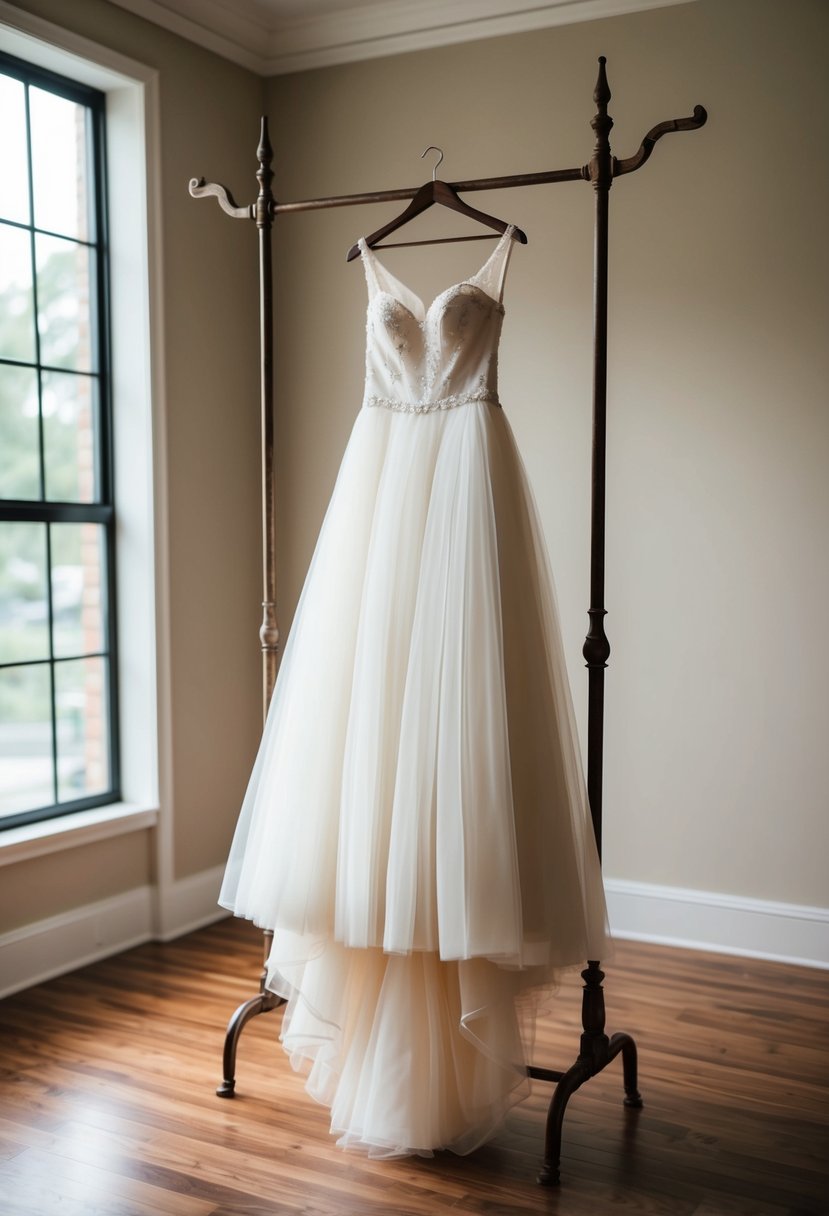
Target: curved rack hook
{"type": "Point", "coordinates": [435, 167]}
{"type": "Point", "coordinates": [631, 163]}
{"type": "Point", "coordinates": [199, 188]}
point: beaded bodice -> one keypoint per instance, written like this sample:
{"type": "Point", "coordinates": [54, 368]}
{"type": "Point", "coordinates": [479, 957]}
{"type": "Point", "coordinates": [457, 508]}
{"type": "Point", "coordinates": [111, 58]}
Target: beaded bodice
{"type": "Point", "coordinates": [422, 359]}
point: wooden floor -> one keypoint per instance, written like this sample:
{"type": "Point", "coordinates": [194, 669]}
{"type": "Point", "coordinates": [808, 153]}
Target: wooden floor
{"type": "Point", "coordinates": [107, 1103]}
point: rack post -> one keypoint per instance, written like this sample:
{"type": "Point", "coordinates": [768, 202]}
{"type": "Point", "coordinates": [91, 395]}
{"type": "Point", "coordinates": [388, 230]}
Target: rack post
{"type": "Point", "coordinates": [596, 1050]}
{"type": "Point", "coordinates": [262, 212]}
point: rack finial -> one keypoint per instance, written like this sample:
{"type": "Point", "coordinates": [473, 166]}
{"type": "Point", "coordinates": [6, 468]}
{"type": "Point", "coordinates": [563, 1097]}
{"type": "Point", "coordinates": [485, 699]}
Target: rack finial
{"type": "Point", "coordinates": [601, 93]}
{"type": "Point", "coordinates": [265, 201]}
{"type": "Point", "coordinates": [599, 170]}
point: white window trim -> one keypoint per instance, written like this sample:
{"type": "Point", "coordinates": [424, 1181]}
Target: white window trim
{"type": "Point", "coordinates": [67, 832]}
{"type": "Point", "coordinates": [133, 172]}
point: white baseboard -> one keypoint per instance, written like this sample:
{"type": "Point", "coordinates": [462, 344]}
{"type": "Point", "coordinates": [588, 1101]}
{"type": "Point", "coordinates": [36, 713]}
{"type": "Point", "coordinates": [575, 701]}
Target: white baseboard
{"type": "Point", "coordinates": [39, 951]}
{"type": "Point", "coordinates": [726, 924]}
{"type": "Point", "coordinates": [188, 904]}
{"type": "Point", "coordinates": [674, 916]}
{"type": "Point", "coordinates": [46, 948]}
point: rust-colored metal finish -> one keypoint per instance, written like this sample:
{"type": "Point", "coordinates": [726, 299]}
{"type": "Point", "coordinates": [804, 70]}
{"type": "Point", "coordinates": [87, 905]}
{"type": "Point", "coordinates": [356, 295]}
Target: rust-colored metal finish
{"type": "Point", "coordinates": [596, 1048]}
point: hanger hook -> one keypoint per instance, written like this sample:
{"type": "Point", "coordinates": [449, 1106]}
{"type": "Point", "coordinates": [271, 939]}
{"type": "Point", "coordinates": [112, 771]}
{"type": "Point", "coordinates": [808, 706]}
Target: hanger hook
{"type": "Point", "coordinates": [435, 167]}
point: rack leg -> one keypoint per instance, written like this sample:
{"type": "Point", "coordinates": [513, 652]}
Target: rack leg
{"type": "Point", "coordinates": [567, 1086]}
{"type": "Point", "coordinates": [263, 1002]}
{"type": "Point", "coordinates": [630, 1067]}
{"type": "Point", "coordinates": [595, 1053]}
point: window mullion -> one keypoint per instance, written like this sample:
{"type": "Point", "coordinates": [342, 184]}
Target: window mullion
{"type": "Point", "coordinates": [33, 261]}
{"type": "Point", "coordinates": [52, 697]}
{"type": "Point", "coordinates": [56, 512]}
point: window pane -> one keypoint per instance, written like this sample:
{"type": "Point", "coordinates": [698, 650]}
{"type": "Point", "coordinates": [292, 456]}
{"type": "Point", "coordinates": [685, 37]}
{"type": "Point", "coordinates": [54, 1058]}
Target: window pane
{"type": "Point", "coordinates": [17, 312]}
{"type": "Point", "coordinates": [14, 180]}
{"type": "Point", "coordinates": [19, 442]}
{"type": "Point", "coordinates": [77, 588]}
{"type": "Point", "coordinates": [69, 436]}
{"type": "Point", "coordinates": [83, 728]}
{"type": "Point", "coordinates": [24, 608]}
{"type": "Point", "coordinates": [59, 168]}
{"type": "Point", "coordinates": [64, 278]}
{"type": "Point", "coordinates": [25, 739]}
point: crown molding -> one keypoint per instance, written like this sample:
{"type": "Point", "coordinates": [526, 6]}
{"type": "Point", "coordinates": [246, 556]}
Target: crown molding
{"type": "Point", "coordinates": [258, 36]}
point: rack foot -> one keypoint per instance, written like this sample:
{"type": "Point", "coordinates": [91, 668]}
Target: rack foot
{"type": "Point", "coordinates": [630, 1067]}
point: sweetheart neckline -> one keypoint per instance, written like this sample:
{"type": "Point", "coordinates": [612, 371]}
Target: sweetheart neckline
{"type": "Point", "coordinates": [497, 305]}
{"type": "Point", "coordinates": [506, 234]}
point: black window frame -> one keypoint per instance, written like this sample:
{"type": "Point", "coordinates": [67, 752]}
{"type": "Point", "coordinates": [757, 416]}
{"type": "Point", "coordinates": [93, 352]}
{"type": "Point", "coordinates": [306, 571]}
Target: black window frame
{"type": "Point", "coordinates": [101, 511]}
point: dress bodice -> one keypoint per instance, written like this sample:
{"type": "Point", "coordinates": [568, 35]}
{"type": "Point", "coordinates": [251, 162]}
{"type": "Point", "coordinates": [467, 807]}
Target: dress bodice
{"type": "Point", "coordinates": [420, 359]}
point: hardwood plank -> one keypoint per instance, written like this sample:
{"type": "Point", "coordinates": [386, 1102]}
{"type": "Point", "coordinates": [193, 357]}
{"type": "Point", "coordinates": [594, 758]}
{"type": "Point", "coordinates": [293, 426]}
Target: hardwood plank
{"type": "Point", "coordinates": [56, 1184]}
{"type": "Point", "coordinates": [107, 1103]}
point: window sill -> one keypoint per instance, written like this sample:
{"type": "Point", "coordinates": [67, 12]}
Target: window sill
{"type": "Point", "coordinates": [84, 827]}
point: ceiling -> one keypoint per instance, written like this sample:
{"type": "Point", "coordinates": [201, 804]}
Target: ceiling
{"type": "Point", "coordinates": [276, 36]}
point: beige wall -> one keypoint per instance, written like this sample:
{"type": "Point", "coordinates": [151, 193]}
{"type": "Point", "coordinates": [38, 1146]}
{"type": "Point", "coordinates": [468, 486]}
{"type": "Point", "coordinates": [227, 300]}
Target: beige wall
{"type": "Point", "coordinates": [209, 112]}
{"type": "Point", "coordinates": [47, 886]}
{"type": "Point", "coordinates": [716, 764]}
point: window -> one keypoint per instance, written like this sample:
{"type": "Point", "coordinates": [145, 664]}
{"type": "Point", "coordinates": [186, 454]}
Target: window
{"type": "Point", "coordinates": [58, 736]}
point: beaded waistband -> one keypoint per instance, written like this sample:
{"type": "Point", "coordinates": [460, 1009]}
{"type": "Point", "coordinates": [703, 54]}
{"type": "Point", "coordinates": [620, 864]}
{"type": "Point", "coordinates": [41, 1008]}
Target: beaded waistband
{"type": "Point", "coordinates": [427, 407]}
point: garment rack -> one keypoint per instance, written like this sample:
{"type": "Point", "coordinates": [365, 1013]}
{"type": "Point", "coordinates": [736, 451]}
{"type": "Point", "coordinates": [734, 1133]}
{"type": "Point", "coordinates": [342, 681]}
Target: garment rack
{"type": "Point", "coordinates": [596, 1048]}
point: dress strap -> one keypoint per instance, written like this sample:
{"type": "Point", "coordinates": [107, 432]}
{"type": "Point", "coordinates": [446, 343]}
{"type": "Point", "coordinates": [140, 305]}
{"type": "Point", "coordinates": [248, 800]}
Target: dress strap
{"type": "Point", "coordinates": [369, 266]}
{"type": "Point", "coordinates": [490, 278]}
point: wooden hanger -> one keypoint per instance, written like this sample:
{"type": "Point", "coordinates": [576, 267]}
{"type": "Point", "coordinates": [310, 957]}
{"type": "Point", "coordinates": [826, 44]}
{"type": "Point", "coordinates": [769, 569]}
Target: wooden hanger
{"type": "Point", "coordinates": [430, 193]}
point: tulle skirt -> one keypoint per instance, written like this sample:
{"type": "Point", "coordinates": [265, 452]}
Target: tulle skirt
{"type": "Point", "coordinates": [416, 830]}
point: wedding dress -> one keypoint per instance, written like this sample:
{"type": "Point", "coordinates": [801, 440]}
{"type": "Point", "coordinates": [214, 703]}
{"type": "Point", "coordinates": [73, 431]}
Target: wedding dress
{"type": "Point", "coordinates": [416, 830]}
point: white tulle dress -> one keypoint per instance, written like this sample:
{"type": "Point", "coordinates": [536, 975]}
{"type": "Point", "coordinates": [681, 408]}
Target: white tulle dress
{"type": "Point", "coordinates": [416, 830]}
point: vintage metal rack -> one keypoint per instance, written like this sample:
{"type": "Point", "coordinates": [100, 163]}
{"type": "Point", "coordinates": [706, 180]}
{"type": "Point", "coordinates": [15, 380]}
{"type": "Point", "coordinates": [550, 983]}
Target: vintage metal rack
{"type": "Point", "coordinates": [596, 1049]}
